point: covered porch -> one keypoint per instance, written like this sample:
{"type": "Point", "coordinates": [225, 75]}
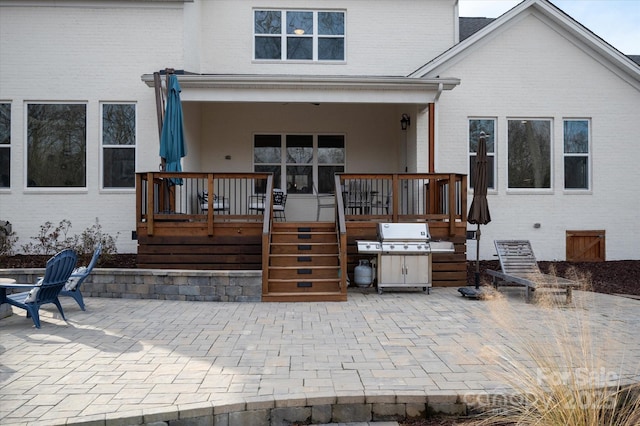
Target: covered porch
{"type": "Point", "coordinates": [212, 221]}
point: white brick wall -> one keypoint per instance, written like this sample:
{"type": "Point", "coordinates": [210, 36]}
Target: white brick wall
{"type": "Point", "coordinates": [530, 70]}
{"type": "Point", "coordinates": [89, 55]}
{"type": "Point", "coordinates": [66, 52]}
{"type": "Point", "coordinates": [381, 40]}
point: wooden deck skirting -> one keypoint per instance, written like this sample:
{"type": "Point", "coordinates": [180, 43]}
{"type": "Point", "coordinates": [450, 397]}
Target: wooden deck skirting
{"type": "Point", "coordinates": [448, 270]}
{"type": "Point", "coordinates": [181, 235]}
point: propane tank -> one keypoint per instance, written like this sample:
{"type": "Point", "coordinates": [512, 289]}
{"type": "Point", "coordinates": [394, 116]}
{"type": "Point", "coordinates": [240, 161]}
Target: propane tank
{"type": "Point", "coordinates": [363, 274]}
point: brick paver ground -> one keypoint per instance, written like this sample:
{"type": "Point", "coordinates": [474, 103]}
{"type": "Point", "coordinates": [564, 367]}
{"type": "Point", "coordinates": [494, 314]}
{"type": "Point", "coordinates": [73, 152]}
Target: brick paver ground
{"type": "Point", "coordinates": [127, 361]}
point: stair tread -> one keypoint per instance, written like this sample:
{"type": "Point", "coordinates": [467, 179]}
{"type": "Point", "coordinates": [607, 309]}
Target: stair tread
{"type": "Point", "coordinates": [297, 243]}
{"type": "Point", "coordinates": [295, 233]}
{"type": "Point", "coordinates": [295, 280]}
{"type": "Point", "coordinates": [304, 266]}
{"type": "Point", "coordinates": [306, 255]}
{"type": "Point", "coordinates": [287, 293]}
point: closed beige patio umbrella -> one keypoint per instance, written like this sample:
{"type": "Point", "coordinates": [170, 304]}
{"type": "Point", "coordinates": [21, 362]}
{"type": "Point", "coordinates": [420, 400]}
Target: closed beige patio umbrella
{"type": "Point", "coordinates": [479, 211]}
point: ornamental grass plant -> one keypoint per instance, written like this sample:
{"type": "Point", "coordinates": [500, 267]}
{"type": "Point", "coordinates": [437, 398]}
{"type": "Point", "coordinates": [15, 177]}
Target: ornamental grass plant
{"type": "Point", "coordinates": [573, 373]}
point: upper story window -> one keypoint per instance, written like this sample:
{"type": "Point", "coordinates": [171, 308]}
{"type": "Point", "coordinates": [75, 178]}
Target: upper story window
{"type": "Point", "coordinates": [477, 126]}
{"type": "Point", "coordinates": [290, 35]}
{"type": "Point", "coordinates": [56, 145]}
{"type": "Point", "coordinates": [118, 145]}
{"type": "Point", "coordinates": [5, 145]}
{"type": "Point", "coordinates": [576, 154]}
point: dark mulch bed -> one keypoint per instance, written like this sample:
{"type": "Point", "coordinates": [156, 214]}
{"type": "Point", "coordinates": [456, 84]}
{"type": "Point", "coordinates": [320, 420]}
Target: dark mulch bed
{"type": "Point", "coordinates": [614, 277]}
{"type": "Point", "coordinates": [39, 261]}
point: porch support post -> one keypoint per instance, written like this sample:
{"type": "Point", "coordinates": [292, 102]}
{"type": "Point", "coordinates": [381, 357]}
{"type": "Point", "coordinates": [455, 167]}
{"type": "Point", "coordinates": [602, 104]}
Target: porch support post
{"type": "Point", "coordinates": [452, 204]}
{"type": "Point", "coordinates": [211, 194]}
{"type": "Point", "coordinates": [151, 200]}
{"type": "Point", "coordinates": [432, 137]}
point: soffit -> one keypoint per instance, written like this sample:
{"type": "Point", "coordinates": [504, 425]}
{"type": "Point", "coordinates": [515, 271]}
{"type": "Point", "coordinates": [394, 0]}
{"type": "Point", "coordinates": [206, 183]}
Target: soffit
{"type": "Point", "coordinates": [336, 89]}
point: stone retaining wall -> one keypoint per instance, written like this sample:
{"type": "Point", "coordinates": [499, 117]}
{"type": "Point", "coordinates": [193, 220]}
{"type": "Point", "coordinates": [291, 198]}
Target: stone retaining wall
{"type": "Point", "coordinates": [303, 410]}
{"type": "Point", "coordinates": [191, 285]}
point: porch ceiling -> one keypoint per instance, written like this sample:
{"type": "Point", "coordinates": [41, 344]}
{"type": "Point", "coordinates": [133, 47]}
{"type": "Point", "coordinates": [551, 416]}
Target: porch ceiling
{"type": "Point", "coordinates": [334, 89]}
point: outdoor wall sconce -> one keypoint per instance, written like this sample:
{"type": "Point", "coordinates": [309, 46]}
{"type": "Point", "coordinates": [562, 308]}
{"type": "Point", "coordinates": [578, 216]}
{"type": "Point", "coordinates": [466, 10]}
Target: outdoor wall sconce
{"type": "Point", "coordinates": [405, 121]}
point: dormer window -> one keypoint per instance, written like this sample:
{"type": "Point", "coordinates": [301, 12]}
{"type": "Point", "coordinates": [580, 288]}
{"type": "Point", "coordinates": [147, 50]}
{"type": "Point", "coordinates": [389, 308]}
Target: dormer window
{"type": "Point", "coordinates": [299, 35]}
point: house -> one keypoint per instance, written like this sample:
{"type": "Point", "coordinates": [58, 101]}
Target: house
{"type": "Point", "coordinates": [327, 84]}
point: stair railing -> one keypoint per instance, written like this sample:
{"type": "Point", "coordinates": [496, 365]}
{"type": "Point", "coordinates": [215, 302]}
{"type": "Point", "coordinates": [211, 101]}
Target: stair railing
{"type": "Point", "coordinates": [341, 229]}
{"type": "Point", "coordinates": [266, 233]}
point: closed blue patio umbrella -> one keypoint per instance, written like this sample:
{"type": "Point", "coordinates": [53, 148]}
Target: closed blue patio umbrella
{"type": "Point", "coordinates": [172, 146]}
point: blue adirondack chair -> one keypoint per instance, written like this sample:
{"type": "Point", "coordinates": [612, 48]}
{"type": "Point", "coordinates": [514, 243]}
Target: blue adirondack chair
{"type": "Point", "coordinates": [72, 287]}
{"type": "Point", "coordinates": [57, 272]}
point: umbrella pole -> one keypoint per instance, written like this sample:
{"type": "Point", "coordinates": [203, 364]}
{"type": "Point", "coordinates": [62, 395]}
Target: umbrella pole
{"type": "Point", "coordinates": [477, 276]}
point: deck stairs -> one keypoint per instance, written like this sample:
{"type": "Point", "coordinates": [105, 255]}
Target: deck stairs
{"type": "Point", "coordinates": [303, 263]}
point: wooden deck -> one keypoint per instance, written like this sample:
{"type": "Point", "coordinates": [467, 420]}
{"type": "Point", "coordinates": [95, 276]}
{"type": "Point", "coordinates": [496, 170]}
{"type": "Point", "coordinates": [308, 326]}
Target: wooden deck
{"type": "Point", "coordinates": [176, 230]}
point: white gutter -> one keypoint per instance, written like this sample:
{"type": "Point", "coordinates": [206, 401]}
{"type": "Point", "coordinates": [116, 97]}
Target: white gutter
{"type": "Point", "coordinates": [283, 81]}
{"type": "Point", "coordinates": [282, 88]}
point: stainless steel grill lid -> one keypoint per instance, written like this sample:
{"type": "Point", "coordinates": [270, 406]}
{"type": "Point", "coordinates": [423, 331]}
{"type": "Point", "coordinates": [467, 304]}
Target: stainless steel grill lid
{"type": "Point", "coordinates": [410, 232]}
{"type": "Point", "coordinates": [404, 238]}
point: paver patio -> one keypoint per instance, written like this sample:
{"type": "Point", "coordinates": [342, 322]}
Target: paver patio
{"type": "Point", "coordinates": [138, 361]}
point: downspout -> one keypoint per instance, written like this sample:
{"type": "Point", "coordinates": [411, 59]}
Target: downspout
{"type": "Point", "coordinates": [439, 92]}
{"type": "Point", "coordinates": [157, 86]}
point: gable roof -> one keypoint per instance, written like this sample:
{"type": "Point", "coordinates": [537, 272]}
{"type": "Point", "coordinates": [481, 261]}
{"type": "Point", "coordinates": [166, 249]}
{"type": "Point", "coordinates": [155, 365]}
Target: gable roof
{"type": "Point", "coordinates": [470, 26]}
{"type": "Point", "coordinates": [583, 38]}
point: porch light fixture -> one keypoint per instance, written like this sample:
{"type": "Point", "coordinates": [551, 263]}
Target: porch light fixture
{"type": "Point", "coordinates": [298, 31]}
{"type": "Point", "coordinates": [405, 121]}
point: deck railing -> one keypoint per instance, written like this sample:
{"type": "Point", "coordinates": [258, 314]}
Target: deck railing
{"type": "Point", "coordinates": [237, 197]}
{"type": "Point", "coordinates": [210, 197]}
{"type": "Point", "coordinates": [404, 197]}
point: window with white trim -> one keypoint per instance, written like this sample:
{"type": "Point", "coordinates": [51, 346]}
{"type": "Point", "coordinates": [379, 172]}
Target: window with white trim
{"type": "Point", "coordinates": [5, 145]}
{"type": "Point", "coordinates": [56, 145]}
{"type": "Point", "coordinates": [294, 35]}
{"type": "Point", "coordinates": [118, 145]}
{"type": "Point", "coordinates": [576, 154]}
{"type": "Point", "coordinates": [529, 154]}
{"type": "Point", "coordinates": [477, 126]}
{"type": "Point", "coordinates": [305, 158]}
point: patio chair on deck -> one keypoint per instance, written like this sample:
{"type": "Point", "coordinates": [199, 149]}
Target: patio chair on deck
{"type": "Point", "coordinates": [72, 286]}
{"type": "Point", "coordinates": [256, 204]}
{"type": "Point", "coordinates": [279, 200]}
{"type": "Point", "coordinates": [220, 204]}
{"type": "Point", "coordinates": [279, 204]}
{"type": "Point", "coordinates": [519, 267]}
{"type": "Point", "coordinates": [358, 198]}
{"type": "Point", "coordinates": [325, 201]}
{"type": "Point", "coordinates": [382, 204]}
{"type": "Point", "coordinates": [47, 290]}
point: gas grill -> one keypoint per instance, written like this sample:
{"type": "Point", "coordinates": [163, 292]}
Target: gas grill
{"type": "Point", "coordinates": [404, 254]}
